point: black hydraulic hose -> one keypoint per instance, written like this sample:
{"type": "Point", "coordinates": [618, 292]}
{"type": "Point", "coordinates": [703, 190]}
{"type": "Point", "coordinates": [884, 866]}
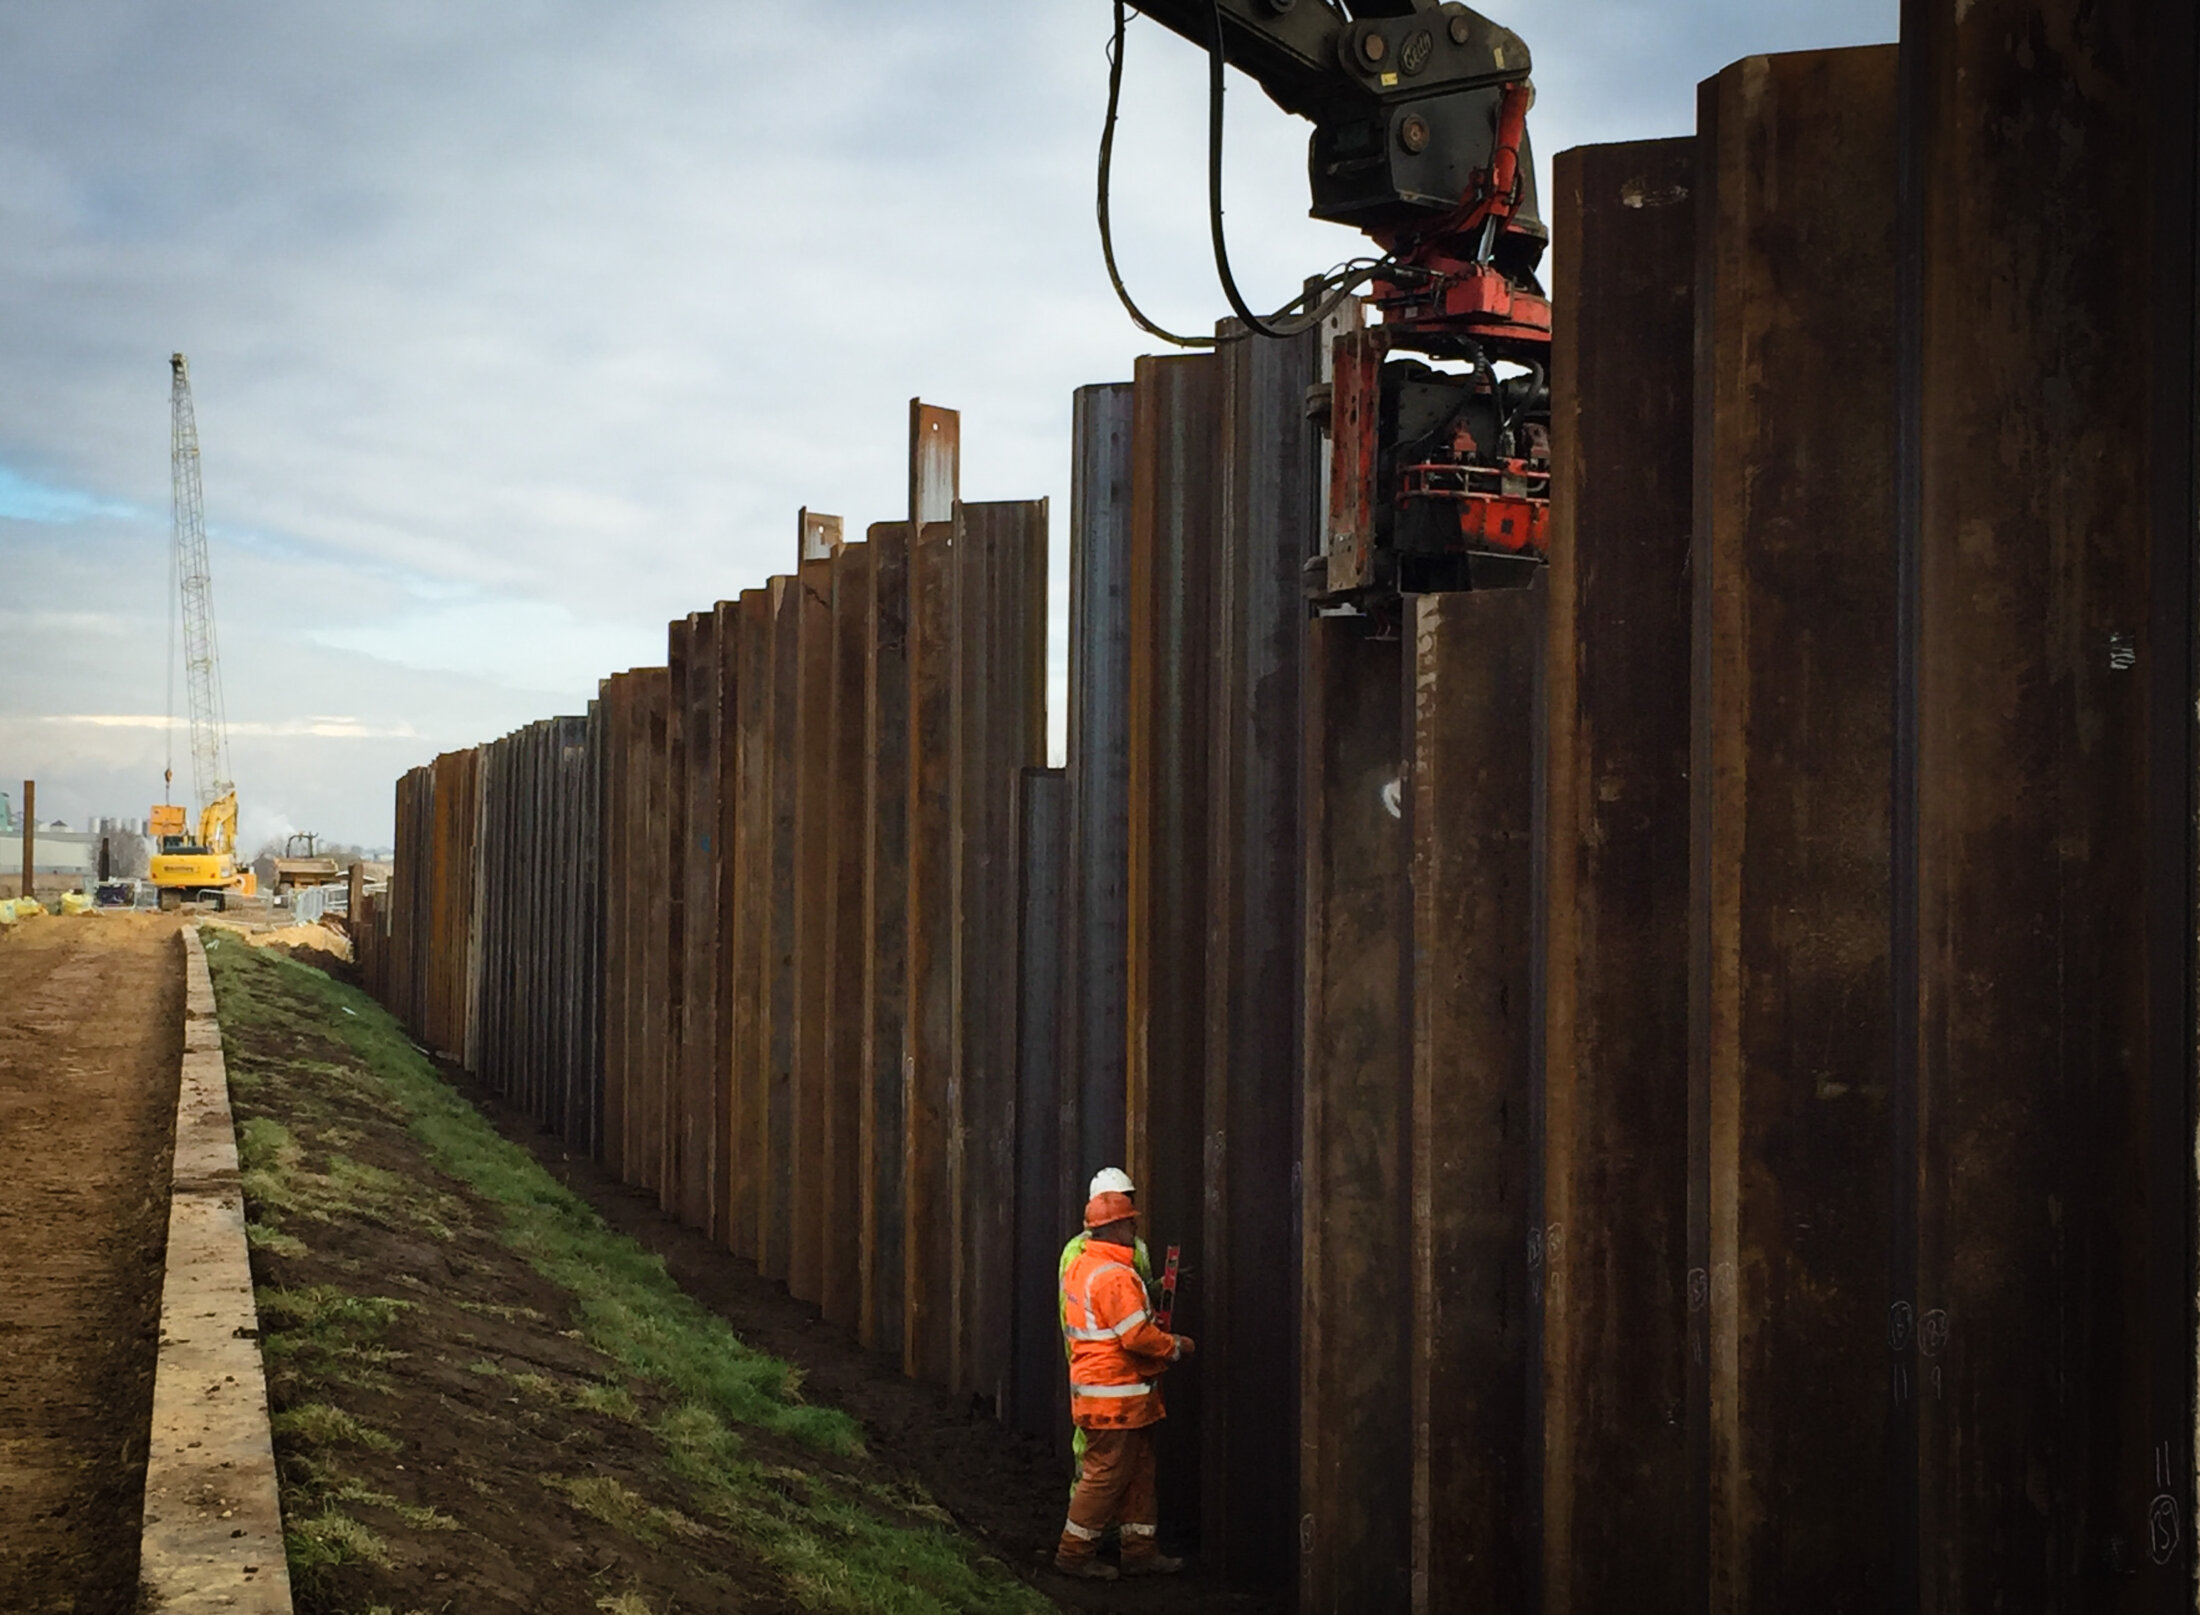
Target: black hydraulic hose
{"type": "Point", "coordinates": [1217, 66]}
{"type": "Point", "coordinates": [1331, 289]}
{"type": "Point", "coordinates": [1107, 232]}
{"type": "Point", "coordinates": [1535, 386]}
{"type": "Point", "coordinates": [1339, 289]}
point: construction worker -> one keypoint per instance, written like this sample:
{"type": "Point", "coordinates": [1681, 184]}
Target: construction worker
{"type": "Point", "coordinates": [1108, 1180]}
{"type": "Point", "coordinates": [1116, 1354]}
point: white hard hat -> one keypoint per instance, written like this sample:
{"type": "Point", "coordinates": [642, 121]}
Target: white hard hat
{"type": "Point", "coordinates": [1111, 1180]}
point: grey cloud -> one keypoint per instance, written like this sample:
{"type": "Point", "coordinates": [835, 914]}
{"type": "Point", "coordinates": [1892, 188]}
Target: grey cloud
{"type": "Point", "coordinates": [511, 316]}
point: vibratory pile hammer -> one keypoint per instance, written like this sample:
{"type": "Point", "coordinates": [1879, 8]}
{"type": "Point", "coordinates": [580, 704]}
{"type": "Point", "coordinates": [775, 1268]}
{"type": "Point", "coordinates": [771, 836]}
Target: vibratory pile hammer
{"type": "Point", "coordinates": [1440, 467]}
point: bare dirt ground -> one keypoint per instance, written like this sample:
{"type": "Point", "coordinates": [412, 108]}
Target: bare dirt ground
{"type": "Point", "coordinates": [91, 1015]}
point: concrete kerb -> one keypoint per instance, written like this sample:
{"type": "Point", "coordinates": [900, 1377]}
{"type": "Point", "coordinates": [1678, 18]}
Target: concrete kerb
{"type": "Point", "coordinates": [213, 1537]}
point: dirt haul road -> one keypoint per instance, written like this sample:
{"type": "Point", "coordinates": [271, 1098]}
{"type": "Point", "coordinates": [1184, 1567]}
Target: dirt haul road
{"type": "Point", "coordinates": [91, 1016]}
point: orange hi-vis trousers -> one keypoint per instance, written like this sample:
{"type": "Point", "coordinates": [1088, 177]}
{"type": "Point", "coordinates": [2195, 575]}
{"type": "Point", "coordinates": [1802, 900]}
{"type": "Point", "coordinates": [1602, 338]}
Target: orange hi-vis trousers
{"type": "Point", "coordinates": [1115, 1488]}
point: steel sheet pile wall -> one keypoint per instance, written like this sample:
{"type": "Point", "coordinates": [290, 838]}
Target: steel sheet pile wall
{"type": "Point", "coordinates": [1748, 1119]}
{"type": "Point", "coordinates": [419, 949]}
{"type": "Point", "coordinates": [686, 931]}
{"type": "Point", "coordinates": [535, 1031]}
{"type": "Point", "coordinates": [1673, 1085]}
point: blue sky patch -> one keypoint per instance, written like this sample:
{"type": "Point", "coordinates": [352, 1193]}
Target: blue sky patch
{"type": "Point", "coordinates": [26, 501]}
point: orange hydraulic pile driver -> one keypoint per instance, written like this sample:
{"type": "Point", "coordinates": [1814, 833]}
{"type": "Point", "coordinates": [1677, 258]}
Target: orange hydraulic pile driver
{"type": "Point", "coordinates": [1440, 472]}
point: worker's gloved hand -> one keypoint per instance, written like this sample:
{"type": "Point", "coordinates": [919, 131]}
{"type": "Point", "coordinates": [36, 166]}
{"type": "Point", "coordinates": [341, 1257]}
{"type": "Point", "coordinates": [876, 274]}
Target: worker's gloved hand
{"type": "Point", "coordinates": [1185, 1346]}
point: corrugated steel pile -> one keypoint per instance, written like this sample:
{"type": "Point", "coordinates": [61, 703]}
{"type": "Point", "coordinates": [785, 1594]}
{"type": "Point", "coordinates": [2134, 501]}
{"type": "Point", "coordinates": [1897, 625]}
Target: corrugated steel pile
{"type": "Point", "coordinates": [1675, 1084]}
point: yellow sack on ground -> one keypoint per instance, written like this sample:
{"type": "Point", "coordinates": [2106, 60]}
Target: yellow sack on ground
{"type": "Point", "coordinates": [7, 911]}
{"type": "Point", "coordinates": [76, 903]}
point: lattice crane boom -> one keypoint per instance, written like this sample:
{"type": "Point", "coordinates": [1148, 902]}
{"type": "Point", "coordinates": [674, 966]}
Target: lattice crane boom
{"type": "Point", "coordinates": [202, 673]}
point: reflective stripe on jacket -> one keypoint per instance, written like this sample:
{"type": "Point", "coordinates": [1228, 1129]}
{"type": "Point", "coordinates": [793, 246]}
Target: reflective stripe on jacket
{"type": "Point", "coordinates": [1076, 1248]}
{"type": "Point", "coordinates": [1115, 1348]}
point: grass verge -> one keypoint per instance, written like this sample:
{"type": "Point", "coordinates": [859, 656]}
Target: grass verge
{"type": "Point", "coordinates": [728, 1424]}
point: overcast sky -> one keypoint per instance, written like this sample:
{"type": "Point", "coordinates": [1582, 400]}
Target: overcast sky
{"type": "Point", "coordinates": [517, 330]}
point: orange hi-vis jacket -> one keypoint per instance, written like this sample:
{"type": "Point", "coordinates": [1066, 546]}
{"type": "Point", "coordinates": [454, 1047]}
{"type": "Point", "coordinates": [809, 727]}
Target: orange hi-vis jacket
{"type": "Point", "coordinates": [1116, 1350]}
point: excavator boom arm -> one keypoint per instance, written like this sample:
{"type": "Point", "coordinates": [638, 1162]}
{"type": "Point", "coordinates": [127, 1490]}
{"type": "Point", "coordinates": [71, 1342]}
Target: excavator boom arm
{"type": "Point", "coordinates": [1417, 109]}
{"type": "Point", "coordinates": [1316, 62]}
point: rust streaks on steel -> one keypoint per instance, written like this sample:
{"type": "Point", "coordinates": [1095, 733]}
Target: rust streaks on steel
{"type": "Point", "coordinates": [613, 701]}
{"type": "Point", "coordinates": [885, 955]}
{"type": "Point", "coordinates": [847, 792]}
{"type": "Point", "coordinates": [817, 536]}
{"type": "Point", "coordinates": [2047, 942]}
{"type": "Point", "coordinates": [1038, 1390]}
{"type": "Point", "coordinates": [935, 486]}
{"type": "Point", "coordinates": [676, 853]}
{"type": "Point", "coordinates": [1175, 503]}
{"type": "Point", "coordinates": [752, 930]}
{"type": "Point", "coordinates": [927, 1045]}
{"type": "Point", "coordinates": [1096, 1052]}
{"type": "Point", "coordinates": [812, 591]}
{"type": "Point", "coordinates": [1268, 527]}
{"type": "Point", "coordinates": [699, 929]}
{"type": "Point", "coordinates": [1791, 1053]}
{"type": "Point", "coordinates": [997, 725]}
{"type": "Point", "coordinates": [1615, 1345]}
{"type": "Point", "coordinates": [455, 808]}
{"type": "Point", "coordinates": [656, 1021]}
{"type": "Point", "coordinates": [1355, 1413]}
{"type": "Point", "coordinates": [1471, 814]}
{"type": "Point", "coordinates": [774, 1196]}
{"type": "Point", "coordinates": [935, 463]}
{"type": "Point", "coordinates": [725, 831]}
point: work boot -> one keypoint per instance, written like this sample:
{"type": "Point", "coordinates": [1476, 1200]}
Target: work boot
{"type": "Point", "coordinates": [1150, 1564]}
{"type": "Point", "coordinates": [1089, 1568]}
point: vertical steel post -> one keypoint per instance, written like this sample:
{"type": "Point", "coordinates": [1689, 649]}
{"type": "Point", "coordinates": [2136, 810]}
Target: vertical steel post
{"type": "Point", "coordinates": [752, 895]}
{"type": "Point", "coordinates": [700, 961]}
{"type": "Point", "coordinates": [1615, 1067]}
{"type": "Point", "coordinates": [679, 855]}
{"type": "Point", "coordinates": [1099, 786]}
{"type": "Point", "coordinates": [813, 590]}
{"type": "Point", "coordinates": [969, 956]}
{"type": "Point", "coordinates": [935, 484]}
{"type": "Point", "coordinates": [724, 1060]}
{"type": "Point", "coordinates": [658, 1026]}
{"type": "Point", "coordinates": [1355, 1360]}
{"type": "Point", "coordinates": [1041, 946]}
{"type": "Point", "coordinates": [594, 928]}
{"type": "Point", "coordinates": [885, 950]}
{"type": "Point", "coordinates": [927, 1047]}
{"type": "Point", "coordinates": [697, 880]}
{"type": "Point", "coordinates": [1791, 1057]}
{"type": "Point", "coordinates": [775, 1148]}
{"type": "Point", "coordinates": [998, 727]}
{"type": "Point", "coordinates": [935, 463]}
{"type": "Point", "coordinates": [846, 793]}
{"type": "Point", "coordinates": [1472, 816]}
{"type": "Point", "coordinates": [1175, 503]}
{"type": "Point", "coordinates": [1269, 525]}
{"type": "Point", "coordinates": [2048, 532]}
{"type": "Point", "coordinates": [613, 703]}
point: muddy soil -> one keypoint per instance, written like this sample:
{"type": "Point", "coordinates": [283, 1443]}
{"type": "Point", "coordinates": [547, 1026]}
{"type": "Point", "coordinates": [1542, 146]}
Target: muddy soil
{"type": "Point", "coordinates": [1007, 1489]}
{"type": "Point", "coordinates": [91, 1040]}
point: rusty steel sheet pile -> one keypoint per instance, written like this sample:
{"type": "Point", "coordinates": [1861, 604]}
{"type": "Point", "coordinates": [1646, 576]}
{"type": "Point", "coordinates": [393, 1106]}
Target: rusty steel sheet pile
{"type": "Point", "coordinates": [1614, 1096]}
{"type": "Point", "coordinates": [1672, 1085]}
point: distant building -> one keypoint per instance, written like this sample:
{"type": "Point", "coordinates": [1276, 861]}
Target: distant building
{"type": "Point", "coordinates": [58, 851]}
